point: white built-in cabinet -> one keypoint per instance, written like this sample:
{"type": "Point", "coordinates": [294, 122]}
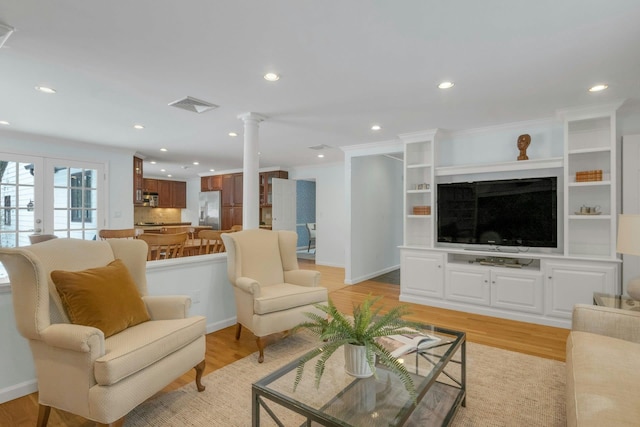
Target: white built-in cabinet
{"type": "Point", "coordinates": [548, 283]}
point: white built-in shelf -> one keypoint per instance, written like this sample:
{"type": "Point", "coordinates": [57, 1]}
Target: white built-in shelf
{"type": "Point", "coordinates": [583, 217]}
{"type": "Point", "coordinates": [418, 216]}
{"type": "Point", "coordinates": [590, 150]}
{"type": "Point", "coordinates": [550, 163]}
{"type": "Point", "coordinates": [589, 183]}
{"type": "Point", "coordinates": [419, 165]}
{"type": "Point", "coordinates": [418, 191]}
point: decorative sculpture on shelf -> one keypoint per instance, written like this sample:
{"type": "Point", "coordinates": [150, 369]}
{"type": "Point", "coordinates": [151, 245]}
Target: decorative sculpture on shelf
{"type": "Point", "coordinates": [523, 144]}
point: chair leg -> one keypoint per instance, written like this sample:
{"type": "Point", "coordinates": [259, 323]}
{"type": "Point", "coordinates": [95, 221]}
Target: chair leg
{"type": "Point", "coordinates": [43, 415]}
{"type": "Point", "coordinates": [309, 247]}
{"type": "Point", "coordinates": [238, 330]}
{"type": "Point", "coordinates": [199, 371]}
{"type": "Point", "coordinates": [260, 343]}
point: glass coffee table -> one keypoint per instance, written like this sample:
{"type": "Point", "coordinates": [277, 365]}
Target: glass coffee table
{"type": "Point", "coordinates": [623, 302]}
{"type": "Point", "coordinates": [438, 372]}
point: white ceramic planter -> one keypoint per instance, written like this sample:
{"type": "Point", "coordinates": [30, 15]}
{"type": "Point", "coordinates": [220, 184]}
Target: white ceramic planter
{"type": "Point", "coordinates": [355, 361]}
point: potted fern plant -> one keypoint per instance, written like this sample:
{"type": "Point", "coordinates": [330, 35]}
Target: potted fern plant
{"type": "Point", "coordinates": [358, 334]}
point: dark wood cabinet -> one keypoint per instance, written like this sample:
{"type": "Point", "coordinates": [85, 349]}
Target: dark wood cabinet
{"type": "Point", "coordinates": [172, 194]}
{"type": "Point", "coordinates": [232, 190]}
{"type": "Point", "coordinates": [266, 186]}
{"type": "Point", "coordinates": [211, 183]}
{"type": "Point", "coordinates": [150, 185]}
{"type": "Point", "coordinates": [231, 216]}
{"type": "Point", "coordinates": [138, 182]}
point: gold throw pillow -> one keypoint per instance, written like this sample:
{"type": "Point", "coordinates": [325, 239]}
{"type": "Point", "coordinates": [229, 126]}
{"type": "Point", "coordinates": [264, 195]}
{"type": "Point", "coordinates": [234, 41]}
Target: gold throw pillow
{"type": "Point", "coordinates": [103, 297]}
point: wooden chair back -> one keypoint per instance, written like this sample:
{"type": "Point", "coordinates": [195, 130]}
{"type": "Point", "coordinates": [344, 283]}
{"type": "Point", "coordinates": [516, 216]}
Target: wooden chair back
{"type": "Point", "coordinates": [164, 246]}
{"type": "Point", "coordinates": [177, 230]}
{"type": "Point", "coordinates": [236, 228]}
{"type": "Point", "coordinates": [123, 233]}
{"type": "Point", "coordinates": [211, 242]}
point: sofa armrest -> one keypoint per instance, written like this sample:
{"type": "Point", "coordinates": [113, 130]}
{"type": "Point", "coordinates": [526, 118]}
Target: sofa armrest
{"type": "Point", "coordinates": [302, 277]}
{"type": "Point", "coordinates": [163, 307]}
{"type": "Point", "coordinates": [248, 285]}
{"type": "Point", "coordinates": [79, 338]}
{"type": "Point", "coordinates": [613, 322]}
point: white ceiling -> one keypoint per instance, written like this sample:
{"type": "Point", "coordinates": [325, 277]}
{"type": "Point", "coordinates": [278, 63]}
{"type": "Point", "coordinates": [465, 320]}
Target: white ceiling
{"type": "Point", "coordinates": [344, 64]}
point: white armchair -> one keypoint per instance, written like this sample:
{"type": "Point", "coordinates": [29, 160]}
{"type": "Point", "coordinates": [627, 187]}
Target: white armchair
{"type": "Point", "coordinates": [78, 369]}
{"type": "Point", "coordinates": [272, 293]}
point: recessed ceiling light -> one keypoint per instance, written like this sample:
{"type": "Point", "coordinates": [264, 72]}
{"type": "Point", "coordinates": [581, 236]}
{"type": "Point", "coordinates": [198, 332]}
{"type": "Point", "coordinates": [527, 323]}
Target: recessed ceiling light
{"type": "Point", "coordinates": [233, 134]}
{"type": "Point", "coordinates": [4, 122]}
{"type": "Point", "coordinates": [598, 88]}
{"type": "Point", "coordinates": [169, 175]}
{"type": "Point", "coordinates": [45, 89]}
{"type": "Point", "coordinates": [321, 155]}
{"type": "Point", "coordinates": [153, 162]}
{"type": "Point", "coordinates": [376, 127]}
{"type": "Point", "coordinates": [163, 170]}
{"type": "Point", "coordinates": [271, 77]}
{"type": "Point", "coordinates": [196, 163]}
{"type": "Point", "coordinates": [138, 126]}
{"type": "Point", "coordinates": [163, 149]}
{"type": "Point", "coordinates": [212, 170]}
{"type": "Point", "coordinates": [446, 85]}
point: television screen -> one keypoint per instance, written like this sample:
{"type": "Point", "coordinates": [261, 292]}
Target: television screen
{"type": "Point", "coordinates": [516, 212]}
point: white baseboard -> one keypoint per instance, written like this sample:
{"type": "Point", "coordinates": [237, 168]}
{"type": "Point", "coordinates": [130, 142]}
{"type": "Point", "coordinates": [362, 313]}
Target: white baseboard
{"type": "Point", "coordinates": [221, 324]}
{"type": "Point", "coordinates": [371, 275]}
{"type": "Point", "coordinates": [18, 390]}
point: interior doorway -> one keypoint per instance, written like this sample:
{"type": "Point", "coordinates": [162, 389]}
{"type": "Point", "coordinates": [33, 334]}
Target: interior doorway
{"type": "Point", "coordinates": [306, 219]}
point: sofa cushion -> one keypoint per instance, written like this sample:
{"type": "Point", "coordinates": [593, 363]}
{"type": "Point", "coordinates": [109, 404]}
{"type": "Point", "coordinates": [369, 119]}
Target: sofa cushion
{"type": "Point", "coordinates": [140, 346]}
{"type": "Point", "coordinates": [285, 296]}
{"type": "Point", "coordinates": [602, 374]}
{"type": "Point", "coordinates": [103, 297]}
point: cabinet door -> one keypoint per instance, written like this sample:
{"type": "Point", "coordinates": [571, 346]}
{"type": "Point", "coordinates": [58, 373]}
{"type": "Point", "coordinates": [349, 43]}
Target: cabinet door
{"type": "Point", "coordinates": [468, 284]}
{"type": "Point", "coordinates": [422, 273]}
{"type": "Point", "coordinates": [227, 190]}
{"type": "Point", "coordinates": [237, 189]}
{"type": "Point", "coordinates": [164, 193]}
{"type": "Point", "coordinates": [138, 182]}
{"type": "Point", "coordinates": [151, 185]}
{"type": "Point", "coordinates": [567, 284]}
{"type": "Point", "coordinates": [205, 183]}
{"type": "Point", "coordinates": [231, 216]}
{"type": "Point", "coordinates": [517, 290]}
{"type": "Point", "coordinates": [179, 194]}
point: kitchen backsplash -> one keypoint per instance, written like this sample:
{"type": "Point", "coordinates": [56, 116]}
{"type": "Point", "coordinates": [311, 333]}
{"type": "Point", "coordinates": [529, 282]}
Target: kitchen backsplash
{"type": "Point", "coordinates": [156, 215]}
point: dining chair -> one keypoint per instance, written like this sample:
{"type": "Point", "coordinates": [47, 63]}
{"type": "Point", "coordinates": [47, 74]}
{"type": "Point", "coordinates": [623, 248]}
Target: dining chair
{"type": "Point", "coordinates": [164, 246]}
{"type": "Point", "coordinates": [37, 238]}
{"type": "Point", "coordinates": [311, 228]}
{"type": "Point", "coordinates": [211, 242]}
{"type": "Point", "coordinates": [235, 228]}
{"type": "Point", "coordinates": [123, 233]}
{"type": "Point", "coordinates": [191, 232]}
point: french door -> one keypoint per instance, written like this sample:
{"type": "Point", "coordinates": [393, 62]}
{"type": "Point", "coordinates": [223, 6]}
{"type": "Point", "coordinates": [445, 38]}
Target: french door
{"type": "Point", "coordinates": [41, 195]}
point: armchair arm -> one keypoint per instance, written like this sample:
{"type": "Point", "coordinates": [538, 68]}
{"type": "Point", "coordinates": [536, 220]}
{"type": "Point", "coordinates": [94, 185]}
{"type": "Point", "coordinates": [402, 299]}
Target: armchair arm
{"type": "Point", "coordinates": [83, 339]}
{"type": "Point", "coordinates": [249, 285]}
{"type": "Point", "coordinates": [613, 322]}
{"type": "Point", "coordinates": [302, 277]}
{"type": "Point", "coordinates": [167, 307]}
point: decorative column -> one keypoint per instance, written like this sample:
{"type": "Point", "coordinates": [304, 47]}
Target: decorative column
{"type": "Point", "coordinates": [251, 176]}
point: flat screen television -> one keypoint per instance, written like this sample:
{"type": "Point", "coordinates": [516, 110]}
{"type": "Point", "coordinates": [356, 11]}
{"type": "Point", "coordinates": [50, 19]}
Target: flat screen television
{"type": "Point", "coordinates": [512, 212]}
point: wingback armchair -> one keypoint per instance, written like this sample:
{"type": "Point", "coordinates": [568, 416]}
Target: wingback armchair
{"type": "Point", "coordinates": [78, 369]}
{"type": "Point", "coordinates": [272, 293]}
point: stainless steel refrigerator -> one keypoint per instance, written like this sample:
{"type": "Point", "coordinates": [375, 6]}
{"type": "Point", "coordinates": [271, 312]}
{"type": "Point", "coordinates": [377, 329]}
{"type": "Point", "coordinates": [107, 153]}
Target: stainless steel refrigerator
{"type": "Point", "coordinates": [210, 212]}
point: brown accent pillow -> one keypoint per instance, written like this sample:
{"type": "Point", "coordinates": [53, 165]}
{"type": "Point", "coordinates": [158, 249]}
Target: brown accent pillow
{"type": "Point", "coordinates": [103, 297]}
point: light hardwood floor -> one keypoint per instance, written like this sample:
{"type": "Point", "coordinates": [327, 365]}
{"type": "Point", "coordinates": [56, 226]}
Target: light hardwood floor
{"type": "Point", "coordinates": [223, 349]}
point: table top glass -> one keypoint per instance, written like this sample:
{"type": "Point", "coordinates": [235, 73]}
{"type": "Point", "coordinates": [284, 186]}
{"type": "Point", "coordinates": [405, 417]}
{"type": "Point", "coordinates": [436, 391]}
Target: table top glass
{"type": "Point", "coordinates": [623, 302]}
{"type": "Point", "coordinates": [344, 400]}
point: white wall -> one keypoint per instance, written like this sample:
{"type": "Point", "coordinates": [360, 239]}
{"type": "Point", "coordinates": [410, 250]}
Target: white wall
{"type": "Point", "coordinates": [376, 212]}
{"type": "Point", "coordinates": [330, 211]}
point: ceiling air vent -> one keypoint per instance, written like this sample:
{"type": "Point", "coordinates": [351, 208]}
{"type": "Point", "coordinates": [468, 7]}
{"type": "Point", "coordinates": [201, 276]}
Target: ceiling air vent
{"type": "Point", "coordinates": [320, 147]}
{"type": "Point", "coordinates": [193, 104]}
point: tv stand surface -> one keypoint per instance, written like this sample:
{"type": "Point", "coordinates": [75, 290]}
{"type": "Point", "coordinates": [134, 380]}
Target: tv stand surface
{"type": "Point", "coordinates": [505, 249]}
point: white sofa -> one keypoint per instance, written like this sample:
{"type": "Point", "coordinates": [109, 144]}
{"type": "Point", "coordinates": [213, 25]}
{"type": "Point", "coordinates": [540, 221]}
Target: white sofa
{"type": "Point", "coordinates": [603, 367]}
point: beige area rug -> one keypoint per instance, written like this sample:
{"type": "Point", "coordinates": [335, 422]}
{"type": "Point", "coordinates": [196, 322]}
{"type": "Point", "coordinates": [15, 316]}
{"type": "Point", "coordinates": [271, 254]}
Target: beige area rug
{"type": "Point", "coordinates": [504, 388]}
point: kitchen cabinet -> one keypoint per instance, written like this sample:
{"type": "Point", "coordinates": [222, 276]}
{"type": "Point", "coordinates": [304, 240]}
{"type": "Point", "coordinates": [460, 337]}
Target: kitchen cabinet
{"type": "Point", "coordinates": [211, 183]}
{"type": "Point", "coordinates": [150, 185]}
{"type": "Point", "coordinates": [232, 190]}
{"type": "Point", "coordinates": [266, 186]}
{"type": "Point", "coordinates": [231, 215]}
{"type": "Point", "coordinates": [138, 182]}
{"type": "Point", "coordinates": [172, 194]}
